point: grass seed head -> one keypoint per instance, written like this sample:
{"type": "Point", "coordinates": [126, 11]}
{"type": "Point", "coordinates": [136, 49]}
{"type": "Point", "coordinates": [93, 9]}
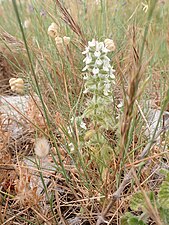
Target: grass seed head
{"type": "Point", "coordinates": [42, 147]}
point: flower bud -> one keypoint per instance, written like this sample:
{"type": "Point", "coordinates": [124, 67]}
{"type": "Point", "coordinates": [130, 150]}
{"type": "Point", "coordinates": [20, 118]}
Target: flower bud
{"type": "Point", "coordinates": [109, 43]}
{"type": "Point", "coordinates": [52, 30]}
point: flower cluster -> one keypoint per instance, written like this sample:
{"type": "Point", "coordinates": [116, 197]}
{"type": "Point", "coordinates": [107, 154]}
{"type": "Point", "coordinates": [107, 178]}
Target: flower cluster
{"type": "Point", "coordinates": [99, 79]}
{"type": "Point", "coordinates": [99, 73]}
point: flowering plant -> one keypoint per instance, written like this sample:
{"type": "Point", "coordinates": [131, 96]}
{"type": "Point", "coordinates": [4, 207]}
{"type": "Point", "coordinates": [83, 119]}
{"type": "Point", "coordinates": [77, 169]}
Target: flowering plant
{"type": "Point", "coordinates": [99, 79]}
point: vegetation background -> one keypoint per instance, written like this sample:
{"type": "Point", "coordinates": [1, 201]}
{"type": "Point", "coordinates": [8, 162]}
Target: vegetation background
{"type": "Point", "coordinates": [98, 175]}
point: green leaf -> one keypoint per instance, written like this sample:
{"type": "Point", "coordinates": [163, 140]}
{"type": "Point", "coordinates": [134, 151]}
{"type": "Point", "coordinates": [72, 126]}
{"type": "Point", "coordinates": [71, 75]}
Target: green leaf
{"type": "Point", "coordinates": [165, 172]}
{"type": "Point", "coordinates": [124, 219]}
{"type": "Point", "coordinates": [164, 214]}
{"type": "Point", "coordinates": [130, 219]}
{"type": "Point", "coordinates": [135, 220]}
{"type": "Point", "coordinates": [137, 202]}
{"type": "Point", "coordinates": [163, 195]}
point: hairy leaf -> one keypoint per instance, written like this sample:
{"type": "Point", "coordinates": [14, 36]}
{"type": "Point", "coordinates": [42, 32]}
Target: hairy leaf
{"type": "Point", "coordinates": [163, 196]}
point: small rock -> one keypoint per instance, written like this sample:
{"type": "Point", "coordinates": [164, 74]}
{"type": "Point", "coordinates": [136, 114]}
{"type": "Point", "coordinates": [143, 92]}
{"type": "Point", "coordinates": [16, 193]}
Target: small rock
{"type": "Point", "coordinates": [11, 110]}
{"type": "Point", "coordinates": [153, 117]}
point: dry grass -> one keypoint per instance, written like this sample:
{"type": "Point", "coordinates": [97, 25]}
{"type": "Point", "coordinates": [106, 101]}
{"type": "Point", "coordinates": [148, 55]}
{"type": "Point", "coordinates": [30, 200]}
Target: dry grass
{"type": "Point", "coordinates": [67, 187]}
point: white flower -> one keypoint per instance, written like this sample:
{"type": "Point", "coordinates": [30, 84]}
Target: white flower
{"type": "Point", "coordinates": [99, 62]}
{"type": "Point", "coordinates": [100, 75]}
{"type": "Point", "coordinates": [105, 50]}
{"type": "Point", "coordinates": [112, 76]}
{"type": "Point", "coordinates": [83, 125]}
{"type": "Point", "coordinates": [97, 53]}
{"type": "Point", "coordinates": [88, 59]}
{"type": "Point", "coordinates": [96, 60]}
{"type": "Point", "coordinates": [95, 70]}
{"type": "Point", "coordinates": [99, 46]}
{"type": "Point", "coordinates": [92, 43]}
{"type": "Point", "coordinates": [106, 64]}
{"type": "Point", "coordinates": [106, 59]}
{"type": "Point", "coordinates": [42, 147]}
{"type": "Point", "coordinates": [99, 80]}
{"type": "Point", "coordinates": [87, 49]}
{"type": "Point", "coordinates": [105, 68]}
{"type": "Point", "coordinates": [85, 68]}
{"type": "Point", "coordinates": [107, 89]}
{"type": "Point", "coordinates": [86, 91]}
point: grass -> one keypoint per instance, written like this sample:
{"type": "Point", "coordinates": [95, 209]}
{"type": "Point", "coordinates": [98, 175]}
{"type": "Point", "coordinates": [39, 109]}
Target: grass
{"type": "Point", "coordinates": [98, 174]}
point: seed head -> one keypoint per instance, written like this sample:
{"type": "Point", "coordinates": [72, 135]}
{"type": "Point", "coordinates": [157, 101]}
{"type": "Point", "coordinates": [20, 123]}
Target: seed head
{"type": "Point", "coordinates": [61, 42]}
{"type": "Point", "coordinates": [52, 30]}
{"type": "Point", "coordinates": [42, 147]}
{"type": "Point", "coordinates": [17, 85]}
{"type": "Point", "coordinates": [109, 43]}
{"type": "Point", "coordinates": [66, 40]}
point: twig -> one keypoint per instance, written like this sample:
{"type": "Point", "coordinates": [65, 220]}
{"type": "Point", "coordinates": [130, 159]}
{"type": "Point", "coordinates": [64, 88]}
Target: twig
{"type": "Point", "coordinates": [15, 216]}
{"type": "Point", "coordinates": [58, 208]}
{"type": "Point", "coordinates": [41, 216]}
{"type": "Point", "coordinates": [6, 167]}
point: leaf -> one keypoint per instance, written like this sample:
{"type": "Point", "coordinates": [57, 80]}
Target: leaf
{"type": "Point", "coordinates": [124, 219]}
{"type": "Point", "coordinates": [135, 220]}
{"type": "Point", "coordinates": [163, 195]}
{"type": "Point", "coordinates": [137, 202]}
{"type": "Point", "coordinates": [130, 219]}
{"type": "Point", "coordinates": [164, 214]}
{"type": "Point", "coordinates": [165, 173]}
